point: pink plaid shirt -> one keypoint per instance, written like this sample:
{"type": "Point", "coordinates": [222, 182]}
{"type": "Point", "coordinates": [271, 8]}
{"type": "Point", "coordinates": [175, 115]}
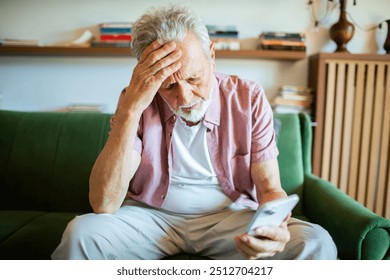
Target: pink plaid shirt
{"type": "Point", "coordinates": [240, 131]}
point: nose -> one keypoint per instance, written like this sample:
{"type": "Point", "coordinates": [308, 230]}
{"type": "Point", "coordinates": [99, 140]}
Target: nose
{"type": "Point", "coordinates": [184, 94]}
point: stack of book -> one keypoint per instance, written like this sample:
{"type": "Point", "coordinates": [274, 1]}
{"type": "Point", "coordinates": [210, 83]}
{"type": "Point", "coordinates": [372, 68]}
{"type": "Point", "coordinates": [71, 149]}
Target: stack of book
{"type": "Point", "coordinates": [282, 41]}
{"type": "Point", "coordinates": [224, 37]}
{"type": "Point", "coordinates": [293, 99]}
{"type": "Point", "coordinates": [114, 34]}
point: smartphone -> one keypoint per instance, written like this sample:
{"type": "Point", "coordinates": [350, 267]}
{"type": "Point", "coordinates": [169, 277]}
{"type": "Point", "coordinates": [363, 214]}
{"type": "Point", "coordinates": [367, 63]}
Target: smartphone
{"type": "Point", "coordinates": [272, 213]}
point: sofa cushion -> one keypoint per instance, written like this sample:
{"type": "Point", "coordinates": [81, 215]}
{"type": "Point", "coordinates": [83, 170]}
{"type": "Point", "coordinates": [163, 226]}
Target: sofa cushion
{"type": "Point", "coordinates": [12, 221]}
{"type": "Point", "coordinates": [31, 234]}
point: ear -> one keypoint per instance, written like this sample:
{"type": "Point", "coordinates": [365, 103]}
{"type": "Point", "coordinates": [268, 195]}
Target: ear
{"type": "Point", "coordinates": [212, 55]}
{"type": "Point", "coordinates": [212, 50]}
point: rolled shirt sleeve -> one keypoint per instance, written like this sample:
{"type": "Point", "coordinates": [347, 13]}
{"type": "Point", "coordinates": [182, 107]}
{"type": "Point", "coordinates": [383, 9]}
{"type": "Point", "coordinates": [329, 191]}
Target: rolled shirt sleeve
{"type": "Point", "coordinates": [263, 145]}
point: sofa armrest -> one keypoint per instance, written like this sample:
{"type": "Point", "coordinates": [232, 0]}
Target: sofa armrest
{"type": "Point", "coordinates": [358, 232]}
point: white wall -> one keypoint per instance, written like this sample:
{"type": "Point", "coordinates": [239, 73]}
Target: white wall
{"type": "Point", "coordinates": [49, 83]}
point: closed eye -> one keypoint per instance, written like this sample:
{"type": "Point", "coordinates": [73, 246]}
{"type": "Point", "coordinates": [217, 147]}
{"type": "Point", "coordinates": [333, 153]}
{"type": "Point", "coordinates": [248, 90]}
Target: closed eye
{"type": "Point", "coordinates": [194, 80]}
{"type": "Point", "coordinates": [167, 86]}
{"type": "Point", "coordinates": [170, 86]}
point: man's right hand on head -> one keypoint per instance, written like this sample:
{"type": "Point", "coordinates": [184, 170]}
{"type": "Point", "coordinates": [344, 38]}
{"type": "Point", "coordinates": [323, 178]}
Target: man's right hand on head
{"type": "Point", "coordinates": [156, 63]}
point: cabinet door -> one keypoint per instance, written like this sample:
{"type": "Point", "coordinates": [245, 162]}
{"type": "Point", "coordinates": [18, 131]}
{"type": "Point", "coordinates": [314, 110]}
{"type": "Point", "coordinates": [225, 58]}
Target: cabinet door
{"type": "Point", "coordinates": [352, 137]}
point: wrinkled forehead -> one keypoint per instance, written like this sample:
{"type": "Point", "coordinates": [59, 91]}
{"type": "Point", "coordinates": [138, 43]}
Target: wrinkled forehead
{"type": "Point", "coordinates": [193, 60]}
{"type": "Point", "coordinates": [191, 48]}
{"type": "Point", "coordinates": [184, 74]}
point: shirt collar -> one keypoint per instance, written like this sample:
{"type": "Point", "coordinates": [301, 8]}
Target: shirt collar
{"type": "Point", "coordinates": [213, 113]}
{"type": "Point", "coordinates": [165, 111]}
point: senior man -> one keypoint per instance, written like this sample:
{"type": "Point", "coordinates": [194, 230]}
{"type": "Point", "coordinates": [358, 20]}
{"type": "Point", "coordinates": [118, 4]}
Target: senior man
{"type": "Point", "coordinates": [190, 156]}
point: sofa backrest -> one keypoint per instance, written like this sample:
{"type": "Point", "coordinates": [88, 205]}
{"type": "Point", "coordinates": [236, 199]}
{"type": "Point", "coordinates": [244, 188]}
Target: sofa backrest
{"type": "Point", "coordinates": [46, 158]}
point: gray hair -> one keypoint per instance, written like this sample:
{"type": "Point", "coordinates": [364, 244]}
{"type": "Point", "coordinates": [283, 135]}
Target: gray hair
{"type": "Point", "coordinates": [168, 24]}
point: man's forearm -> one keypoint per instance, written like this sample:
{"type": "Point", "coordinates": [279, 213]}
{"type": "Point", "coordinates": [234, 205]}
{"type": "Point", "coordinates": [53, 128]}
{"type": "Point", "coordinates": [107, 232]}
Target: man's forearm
{"type": "Point", "coordinates": [266, 178]}
{"type": "Point", "coordinates": [115, 166]}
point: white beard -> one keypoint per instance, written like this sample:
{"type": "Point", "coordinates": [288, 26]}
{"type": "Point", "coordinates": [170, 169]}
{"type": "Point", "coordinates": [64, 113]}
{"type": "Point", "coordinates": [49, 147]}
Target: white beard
{"type": "Point", "coordinates": [194, 115]}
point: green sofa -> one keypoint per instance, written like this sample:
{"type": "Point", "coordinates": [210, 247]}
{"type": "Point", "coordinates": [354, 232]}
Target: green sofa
{"type": "Point", "coordinates": [46, 158]}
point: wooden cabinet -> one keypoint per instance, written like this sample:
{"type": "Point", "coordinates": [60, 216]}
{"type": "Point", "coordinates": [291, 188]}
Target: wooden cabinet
{"type": "Point", "coordinates": [352, 137]}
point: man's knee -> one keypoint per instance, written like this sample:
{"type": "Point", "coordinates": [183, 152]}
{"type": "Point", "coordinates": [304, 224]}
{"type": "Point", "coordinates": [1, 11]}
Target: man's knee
{"type": "Point", "coordinates": [84, 226]}
{"type": "Point", "coordinates": [80, 237]}
{"type": "Point", "coordinates": [310, 241]}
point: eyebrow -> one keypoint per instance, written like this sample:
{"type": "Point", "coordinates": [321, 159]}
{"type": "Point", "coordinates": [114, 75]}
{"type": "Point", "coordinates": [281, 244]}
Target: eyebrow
{"type": "Point", "coordinates": [167, 82]}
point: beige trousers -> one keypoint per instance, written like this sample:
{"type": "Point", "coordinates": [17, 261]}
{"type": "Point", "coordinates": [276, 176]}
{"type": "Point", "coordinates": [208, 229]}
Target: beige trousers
{"type": "Point", "coordinates": [137, 231]}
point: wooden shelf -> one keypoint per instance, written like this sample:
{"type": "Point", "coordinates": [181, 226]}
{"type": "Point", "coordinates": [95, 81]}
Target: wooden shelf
{"type": "Point", "coordinates": [262, 54]}
{"type": "Point", "coordinates": [125, 52]}
{"type": "Point", "coordinates": [63, 51]}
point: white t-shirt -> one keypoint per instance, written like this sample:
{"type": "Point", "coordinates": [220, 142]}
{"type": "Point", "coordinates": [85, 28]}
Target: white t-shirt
{"type": "Point", "coordinates": [194, 187]}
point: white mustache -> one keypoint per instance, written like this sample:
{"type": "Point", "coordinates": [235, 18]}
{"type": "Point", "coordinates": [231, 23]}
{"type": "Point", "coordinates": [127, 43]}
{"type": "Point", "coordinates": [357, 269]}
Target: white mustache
{"type": "Point", "coordinates": [189, 105]}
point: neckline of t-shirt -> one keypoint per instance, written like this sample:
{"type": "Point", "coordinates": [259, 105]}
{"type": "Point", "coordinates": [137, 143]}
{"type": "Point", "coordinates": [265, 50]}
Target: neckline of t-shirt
{"type": "Point", "coordinates": [192, 129]}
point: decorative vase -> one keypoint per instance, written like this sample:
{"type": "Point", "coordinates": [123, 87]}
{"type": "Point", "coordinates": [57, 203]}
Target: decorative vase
{"type": "Point", "coordinates": [342, 31]}
{"type": "Point", "coordinates": [386, 45]}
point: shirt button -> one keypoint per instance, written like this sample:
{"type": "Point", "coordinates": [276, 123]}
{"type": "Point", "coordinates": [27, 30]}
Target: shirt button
{"type": "Point", "coordinates": [163, 196]}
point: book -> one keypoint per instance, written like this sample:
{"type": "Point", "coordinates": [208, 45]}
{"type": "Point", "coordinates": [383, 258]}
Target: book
{"type": "Point", "coordinates": [115, 37]}
{"type": "Point", "coordinates": [116, 24]}
{"type": "Point", "coordinates": [282, 43]}
{"type": "Point", "coordinates": [221, 28]}
{"type": "Point", "coordinates": [296, 89]}
{"type": "Point", "coordinates": [124, 44]}
{"type": "Point", "coordinates": [114, 34]}
{"type": "Point", "coordinates": [293, 99]}
{"type": "Point", "coordinates": [227, 45]}
{"type": "Point", "coordinates": [232, 44]}
{"type": "Point", "coordinates": [115, 27]}
{"type": "Point", "coordinates": [295, 96]}
{"type": "Point", "coordinates": [228, 31]}
{"type": "Point", "coordinates": [282, 48]}
{"type": "Point", "coordinates": [283, 36]}
{"type": "Point", "coordinates": [279, 100]}
{"type": "Point", "coordinates": [120, 30]}
{"type": "Point", "coordinates": [19, 42]}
